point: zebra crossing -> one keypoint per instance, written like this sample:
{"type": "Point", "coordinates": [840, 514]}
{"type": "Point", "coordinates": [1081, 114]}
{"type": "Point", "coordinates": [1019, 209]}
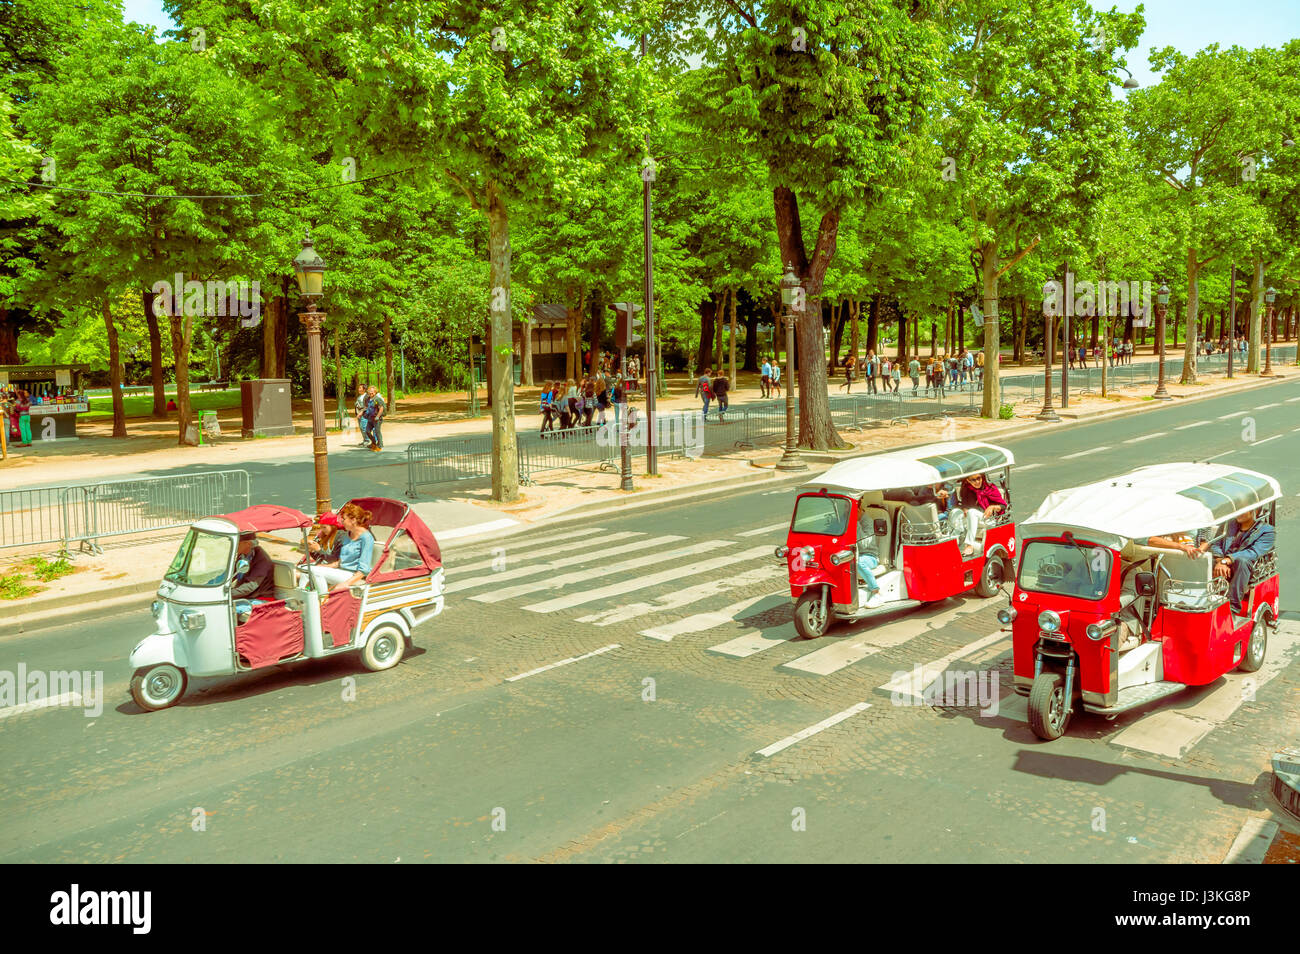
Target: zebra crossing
{"type": "Point", "coordinates": [634, 579]}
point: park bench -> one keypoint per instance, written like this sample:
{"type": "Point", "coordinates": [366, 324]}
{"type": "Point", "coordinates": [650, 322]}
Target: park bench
{"type": "Point", "coordinates": [138, 389]}
{"type": "Point", "coordinates": [214, 386]}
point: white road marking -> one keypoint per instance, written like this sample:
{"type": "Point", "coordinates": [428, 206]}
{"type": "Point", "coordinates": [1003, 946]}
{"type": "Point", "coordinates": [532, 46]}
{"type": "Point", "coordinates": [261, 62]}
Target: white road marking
{"type": "Point", "coordinates": [1021, 468]}
{"type": "Point", "coordinates": [582, 576]}
{"type": "Point", "coordinates": [908, 684]}
{"type": "Point", "coordinates": [1292, 400]}
{"type": "Point", "coordinates": [755, 641]}
{"type": "Point", "coordinates": [563, 662]}
{"type": "Point", "coordinates": [783, 525]}
{"type": "Point", "coordinates": [519, 569]}
{"type": "Point", "coordinates": [1145, 437]}
{"type": "Point", "coordinates": [1252, 842]}
{"type": "Point", "coordinates": [1206, 460]}
{"type": "Point", "coordinates": [1183, 427]}
{"type": "Point", "coordinates": [812, 730]}
{"type": "Point", "coordinates": [484, 564]}
{"type": "Point", "coordinates": [622, 614]}
{"type": "Point", "coordinates": [1095, 450]}
{"type": "Point", "coordinates": [476, 528]}
{"type": "Point", "coordinates": [1224, 417]}
{"type": "Point", "coordinates": [62, 699]}
{"type": "Point", "coordinates": [728, 614]}
{"type": "Point", "coordinates": [1266, 440]}
{"type": "Point", "coordinates": [641, 583]}
{"type": "Point", "coordinates": [1172, 732]}
{"type": "Point", "coordinates": [1265, 407]}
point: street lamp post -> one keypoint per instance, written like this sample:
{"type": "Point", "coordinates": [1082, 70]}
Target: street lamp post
{"type": "Point", "coordinates": [1270, 296]}
{"type": "Point", "coordinates": [1232, 318]}
{"type": "Point", "coordinates": [309, 269]}
{"type": "Point", "coordinates": [793, 301]}
{"type": "Point", "coordinates": [1048, 413]}
{"type": "Point", "coordinates": [1162, 305]}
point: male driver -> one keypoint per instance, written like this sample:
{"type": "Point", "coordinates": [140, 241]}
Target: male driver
{"type": "Point", "coordinates": [255, 583]}
{"type": "Point", "coordinates": [1248, 538]}
{"type": "Point", "coordinates": [868, 557]}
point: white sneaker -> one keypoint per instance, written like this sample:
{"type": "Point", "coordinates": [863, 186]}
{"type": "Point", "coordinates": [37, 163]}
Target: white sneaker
{"type": "Point", "coordinates": [874, 600]}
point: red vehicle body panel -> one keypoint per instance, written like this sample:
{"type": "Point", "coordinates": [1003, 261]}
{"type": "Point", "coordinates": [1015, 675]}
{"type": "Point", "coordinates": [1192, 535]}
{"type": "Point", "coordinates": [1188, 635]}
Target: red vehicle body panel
{"type": "Point", "coordinates": [820, 571]}
{"type": "Point", "coordinates": [1192, 658]}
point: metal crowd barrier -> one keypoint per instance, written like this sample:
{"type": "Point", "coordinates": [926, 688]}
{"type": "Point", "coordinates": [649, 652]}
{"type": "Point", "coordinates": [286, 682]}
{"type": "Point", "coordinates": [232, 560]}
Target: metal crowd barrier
{"type": "Point", "coordinates": [85, 513]}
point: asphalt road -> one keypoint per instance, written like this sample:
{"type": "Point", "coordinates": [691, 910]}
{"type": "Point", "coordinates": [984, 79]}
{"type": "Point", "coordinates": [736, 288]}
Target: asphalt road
{"type": "Point", "coordinates": [651, 747]}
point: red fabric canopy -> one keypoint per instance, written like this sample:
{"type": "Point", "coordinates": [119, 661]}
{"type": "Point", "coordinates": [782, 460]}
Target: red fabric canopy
{"type": "Point", "coordinates": [385, 512]}
{"type": "Point", "coordinates": [266, 517]}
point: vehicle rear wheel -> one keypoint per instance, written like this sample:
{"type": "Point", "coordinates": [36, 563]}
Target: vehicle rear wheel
{"type": "Point", "coordinates": [811, 616]}
{"type": "Point", "coordinates": [1258, 645]}
{"type": "Point", "coordinates": [158, 687]}
{"type": "Point", "coordinates": [384, 648]}
{"type": "Point", "coordinates": [991, 577]}
{"type": "Point", "coordinates": [1049, 710]}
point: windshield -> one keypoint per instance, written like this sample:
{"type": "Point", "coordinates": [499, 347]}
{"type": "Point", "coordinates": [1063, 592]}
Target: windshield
{"type": "Point", "coordinates": [202, 560]}
{"type": "Point", "coordinates": [1067, 569]}
{"type": "Point", "coordinates": [825, 515]}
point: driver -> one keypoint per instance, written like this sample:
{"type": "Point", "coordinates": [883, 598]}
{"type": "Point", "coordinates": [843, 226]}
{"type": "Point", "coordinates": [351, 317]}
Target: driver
{"type": "Point", "coordinates": [255, 582]}
{"type": "Point", "coordinates": [868, 556]}
{"type": "Point", "coordinates": [1247, 539]}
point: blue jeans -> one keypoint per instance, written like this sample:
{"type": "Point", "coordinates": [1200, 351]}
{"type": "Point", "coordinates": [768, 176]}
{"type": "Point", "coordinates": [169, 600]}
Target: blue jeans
{"type": "Point", "coordinates": [364, 426]}
{"type": "Point", "coordinates": [376, 432]}
{"type": "Point", "coordinates": [867, 563]}
{"type": "Point", "coordinates": [706, 407]}
{"type": "Point", "coordinates": [1239, 582]}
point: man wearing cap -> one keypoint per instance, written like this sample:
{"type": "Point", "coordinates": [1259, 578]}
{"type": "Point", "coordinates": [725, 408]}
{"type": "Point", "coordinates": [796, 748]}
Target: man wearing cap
{"type": "Point", "coordinates": [254, 576]}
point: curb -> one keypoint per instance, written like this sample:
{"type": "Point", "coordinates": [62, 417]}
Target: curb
{"type": "Point", "coordinates": [71, 611]}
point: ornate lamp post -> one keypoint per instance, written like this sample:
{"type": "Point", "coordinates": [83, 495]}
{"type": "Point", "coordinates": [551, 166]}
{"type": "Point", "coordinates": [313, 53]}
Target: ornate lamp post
{"type": "Point", "coordinates": [309, 269]}
{"type": "Point", "coordinates": [1048, 413]}
{"type": "Point", "coordinates": [1270, 296]}
{"type": "Point", "coordinates": [1162, 305]}
{"type": "Point", "coordinates": [792, 298]}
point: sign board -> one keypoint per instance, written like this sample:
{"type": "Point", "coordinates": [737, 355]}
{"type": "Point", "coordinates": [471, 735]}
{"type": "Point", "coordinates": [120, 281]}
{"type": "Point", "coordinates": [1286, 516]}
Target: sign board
{"type": "Point", "coordinates": [4, 378]}
{"type": "Point", "coordinates": [63, 378]}
{"type": "Point", "coordinates": [976, 316]}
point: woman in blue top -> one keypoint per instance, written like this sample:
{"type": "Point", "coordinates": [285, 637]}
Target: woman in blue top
{"type": "Point", "coordinates": [357, 553]}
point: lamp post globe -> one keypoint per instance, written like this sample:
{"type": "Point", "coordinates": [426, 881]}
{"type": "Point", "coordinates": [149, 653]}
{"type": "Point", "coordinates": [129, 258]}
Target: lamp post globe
{"type": "Point", "coordinates": [792, 299]}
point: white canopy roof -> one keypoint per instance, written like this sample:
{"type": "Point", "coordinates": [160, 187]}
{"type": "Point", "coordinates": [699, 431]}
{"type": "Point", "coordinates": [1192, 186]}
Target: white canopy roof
{"type": "Point", "coordinates": [1153, 501]}
{"type": "Point", "coordinates": [914, 467]}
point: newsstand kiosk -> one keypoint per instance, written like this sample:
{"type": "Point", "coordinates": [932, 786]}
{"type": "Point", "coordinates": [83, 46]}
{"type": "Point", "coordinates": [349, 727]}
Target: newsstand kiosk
{"type": "Point", "coordinates": [55, 393]}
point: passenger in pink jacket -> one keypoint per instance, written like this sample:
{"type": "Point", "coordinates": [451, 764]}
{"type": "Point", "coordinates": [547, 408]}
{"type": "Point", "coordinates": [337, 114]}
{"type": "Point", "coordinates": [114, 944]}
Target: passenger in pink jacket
{"type": "Point", "coordinates": [978, 497]}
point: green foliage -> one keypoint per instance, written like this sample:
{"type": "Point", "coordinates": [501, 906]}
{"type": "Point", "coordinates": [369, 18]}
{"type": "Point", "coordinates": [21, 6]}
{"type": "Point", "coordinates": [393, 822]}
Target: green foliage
{"type": "Point", "coordinates": [12, 586]}
{"type": "Point", "coordinates": [48, 570]}
{"type": "Point", "coordinates": [1006, 412]}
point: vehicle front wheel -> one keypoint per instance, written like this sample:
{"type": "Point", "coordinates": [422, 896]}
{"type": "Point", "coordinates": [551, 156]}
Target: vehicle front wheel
{"type": "Point", "coordinates": [991, 577]}
{"type": "Point", "coordinates": [811, 614]}
{"type": "Point", "coordinates": [1258, 645]}
{"type": "Point", "coordinates": [384, 648]}
{"type": "Point", "coordinates": [1049, 710]}
{"type": "Point", "coordinates": [157, 687]}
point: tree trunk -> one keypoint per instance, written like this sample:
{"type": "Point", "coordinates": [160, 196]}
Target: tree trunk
{"type": "Point", "coordinates": [718, 325]}
{"type": "Point", "coordinates": [992, 345]}
{"type": "Point", "coordinates": [149, 298]}
{"type": "Point", "coordinates": [873, 323]}
{"type": "Point", "coordinates": [902, 331]}
{"type": "Point", "coordinates": [526, 351]}
{"type": "Point", "coordinates": [1255, 332]}
{"type": "Point", "coordinates": [597, 334]}
{"type": "Point", "coordinates": [270, 323]}
{"type": "Point", "coordinates": [114, 374]}
{"type": "Point", "coordinates": [388, 362]}
{"type": "Point", "coordinates": [8, 339]}
{"type": "Point", "coordinates": [961, 332]}
{"type": "Point", "coordinates": [816, 430]}
{"type": "Point", "coordinates": [751, 342]}
{"type": "Point", "coordinates": [1193, 300]}
{"type": "Point", "coordinates": [732, 365]}
{"type": "Point", "coordinates": [182, 327]}
{"type": "Point", "coordinates": [505, 452]}
{"type": "Point", "coordinates": [338, 379]}
{"type": "Point", "coordinates": [708, 318]}
{"type": "Point", "coordinates": [282, 331]}
{"type": "Point", "coordinates": [839, 318]}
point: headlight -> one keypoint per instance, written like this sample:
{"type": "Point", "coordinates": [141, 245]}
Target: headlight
{"type": "Point", "coordinates": [844, 556]}
{"type": "Point", "coordinates": [192, 621]}
{"type": "Point", "coordinates": [781, 552]}
{"type": "Point", "coordinates": [156, 608]}
{"type": "Point", "coordinates": [1049, 622]}
{"type": "Point", "coordinates": [1006, 615]}
{"type": "Point", "coordinates": [808, 554]}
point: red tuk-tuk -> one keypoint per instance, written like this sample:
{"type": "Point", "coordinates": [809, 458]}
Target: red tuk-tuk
{"type": "Point", "coordinates": [1116, 603]}
{"type": "Point", "coordinates": [887, 505]}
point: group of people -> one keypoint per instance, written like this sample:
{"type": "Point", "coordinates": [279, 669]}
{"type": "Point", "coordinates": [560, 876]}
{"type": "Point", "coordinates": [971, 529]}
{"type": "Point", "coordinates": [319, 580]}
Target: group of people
{"type": "Point", "coordinates": [574, 404]}
{"type": "Point", "coordinates": [341, 543]}
{"type": "Point", "coordinates": [369, 411]}
{"type": "Point", "coordinates": [1241, 345]}
{"type": "Point", "coordinates": [16, 409]}
{"type": "Point", "coordinates": [708, 388]}
{"type": "Point", "coordinates": [770, 383]}
{"type": "Point", "coordinates": [940, 372]}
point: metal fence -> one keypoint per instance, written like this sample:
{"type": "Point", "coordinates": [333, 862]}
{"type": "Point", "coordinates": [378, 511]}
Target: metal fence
{"type": "Point", "coordinates": [86, 513]}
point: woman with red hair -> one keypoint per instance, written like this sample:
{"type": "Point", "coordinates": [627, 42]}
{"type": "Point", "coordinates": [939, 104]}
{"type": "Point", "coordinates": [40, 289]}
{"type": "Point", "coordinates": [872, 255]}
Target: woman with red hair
{"type": "Point", "coordinates": [356, 555]}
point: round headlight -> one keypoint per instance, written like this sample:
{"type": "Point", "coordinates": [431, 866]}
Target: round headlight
{"type": "Point", "coordinates": [1094, 632]}
{"type": "Point", "coordinates": [1049, 622]}
{"type": "Point", "coordinates": [781, 552]}
{"type": "Point", "coordinates": [156, 607]}
{"type": "Point", "coordinates": [808, 554]}
{"type": "Point", "coordinates": [1006, 615]}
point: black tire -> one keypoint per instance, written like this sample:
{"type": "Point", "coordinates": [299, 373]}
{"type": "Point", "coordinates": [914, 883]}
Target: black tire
{"type": "Point", "coordinates": [384, 649]}
{"type": "Point", "coordinates": [991, 577]}
{"type": "Point", "coordinates": [811, 615]}
{"type": "Point", "coordinates": [1049, 710]}
{"type": "Point", "coordinates": [1257, 647]}
{"type": "Point", "coordinates": [158, 687]}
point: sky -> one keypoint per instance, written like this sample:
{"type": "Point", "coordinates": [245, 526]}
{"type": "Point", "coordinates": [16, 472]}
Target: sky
{"type": "Point", "coordinates": [1186, 25]}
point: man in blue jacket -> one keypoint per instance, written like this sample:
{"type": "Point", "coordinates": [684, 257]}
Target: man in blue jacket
{"type": "Point", "coordinates": [1248, 538]}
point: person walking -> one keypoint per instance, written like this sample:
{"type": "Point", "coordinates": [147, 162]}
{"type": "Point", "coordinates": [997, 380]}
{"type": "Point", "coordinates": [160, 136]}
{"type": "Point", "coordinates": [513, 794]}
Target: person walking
{"type": "Point", "coordinates": [776, 379]}
{"type": "Point", "coordinates": [869, 369]}
{"type": "Point", "coordinates": [720, 388]}
{"type": "Point", "coordinates": [602, 397]}
{"type": "Point", "coordinates": [588, 400]}
{"type": "Point", "coordinates": [23, 411]}
{"type": "Point", "coordinates": [896, 375]}
{"type": "Point", "coordinates": [375, 415]}
{"type": "Point", "coordinates": [914, 372]}
{"type": "Point", "coordinates": [619, 394]}
{"type": "Point", "coordinates": [571, 402]}
{"type": "Point", "coordinates": [765, 382]}
{"type": "Point", "coordinates": [979, 366]}
{"type": "Point", "coordinates": [544, 404]}
{"type": "Point", "coordinates": [704, 389]}
{"type": "Point", "coordinates": [359, 412]}
{"type": "Point", "coordinates": [849, 369]}
{"type": "Point", "coordinates": [885, 367]}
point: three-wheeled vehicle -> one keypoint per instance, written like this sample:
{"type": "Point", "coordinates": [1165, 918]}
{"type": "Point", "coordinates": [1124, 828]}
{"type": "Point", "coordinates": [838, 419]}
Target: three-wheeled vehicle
{"type": "Point", "coordinates": [1101, 617]}
{"type": "Point", "coordinates": [885, 504]}
{"type": "Point", "coordinates": [199, 632]}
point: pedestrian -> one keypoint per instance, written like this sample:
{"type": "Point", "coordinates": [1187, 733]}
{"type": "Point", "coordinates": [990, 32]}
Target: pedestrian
{"type": "Point", "coordinates": [620, 398]}
{"type": "Point", "coordinates": [23, 411]}
{"type": "Point", "coordinates": [602, 398]}
{"type": "Point", "coordinates": [869, 369]}
{"type": "Point", "coordinates": [374, 412]}
{"type": "Point", "coordinates": [720, 388]}
{"type": "Point", "coordinates": [914, 372]}
{"type": "Point", "coordinates": [776, 378]}
{"type": "Point", "coordinates": [885, 368]}
{"type": "Point", "coordinates": [544, 405]}
{"type": "Point", "coordinates": [588, 400]}
{"type": "Point", "coordinates": [561, 400]}
{"type": "Point", "coordinates": [359, 412]}
{"type": "Point", "coordinates": [896, 374]}
{"type": "Point", "coordinates": [704, 389]}
{"type": "Point", "coordinates": [979, 365]}
{"type": "Point", "coordinates": [765, 382]}
{"type": "Point", "coordinates": [849, 366]}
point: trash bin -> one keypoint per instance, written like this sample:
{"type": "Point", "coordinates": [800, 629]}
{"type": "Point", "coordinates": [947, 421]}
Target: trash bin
{"type": "Point", "coordinates": [211, 427]}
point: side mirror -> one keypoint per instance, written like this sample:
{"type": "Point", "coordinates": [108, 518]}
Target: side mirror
{"type": "Point", "coordinates": [1145, 584]}
{"type": "Point", "coordinates": [880, 527]}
